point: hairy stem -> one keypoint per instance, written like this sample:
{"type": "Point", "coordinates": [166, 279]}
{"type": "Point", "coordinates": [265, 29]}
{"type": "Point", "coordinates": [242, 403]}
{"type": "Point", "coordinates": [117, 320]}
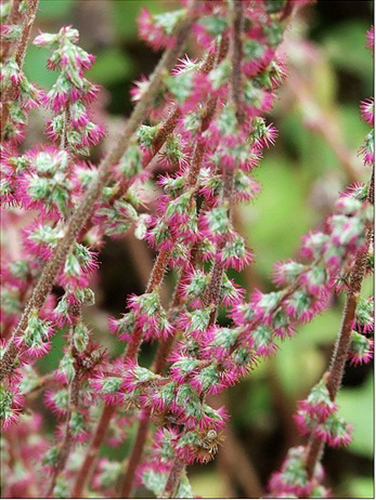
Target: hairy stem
{"type": "Point", "coordinates": [87, 467]}
{"type": "Point", "coordinates": [212, 295]}
{"type": "Point", "coordinates": [168, 126]}
{"type": "Point", "coordinates": [136, 455]}
{"type": "Point", "coordinates": [109, 410]}
{"type": "Point", "coordinates": [165, 347]}
{"type": "Point", "coordinates": [13, 19]}
{"type": "Point", "coordinates": [10, 93]}
{"type": "Point", "coordinates": [341, 349]}
{"type": "Point", "coordinates": [74, 391]}
{"type": "Point", "coordinates": [236, 87]}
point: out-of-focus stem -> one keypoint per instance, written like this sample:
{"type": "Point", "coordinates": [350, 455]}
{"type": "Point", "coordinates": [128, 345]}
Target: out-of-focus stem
{"type": "Point", "coordinates": [174, 478]}
{"type": "Point", "coordinates": [324, 124]}
{"type": "Point", "coordinates": [13, 18]}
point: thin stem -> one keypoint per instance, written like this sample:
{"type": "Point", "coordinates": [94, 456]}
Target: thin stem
{"type": "Point", "coordinates": [85, 208]}
{"type": "Point", "coordinates": [212, 295]}
{"type": "Point", "coordinates": [165, 347]}
{"type": "Point", "coordinates": [233, 459]}
{"type": "Point", "coordinates": [63, 457]}
{"type": "Point", "coordinates": [236, 87]}
{"type": "Point", "coordinates": [109, 410]}
{"type": "Point", "coordinates": [13, 19]}
{"type": "Point", "coordinates": [168, 126]}
{"type": "Point", "coordinates": [315, 451]}
{"type": "Point", "coordinates": [87, 467]}
{"type": "Point", "coordinates": [174, 478]}
{"type": "Point", "coordinates": [341, 349]}
{"type": "Point", "coordinates": [136, 455]}
{"type": "Point", "coordinates": [159, 270]}
{"type": "Point", "coordinates": [73, 391]}
{"type": "Point", "coordinates": [127, 485]}
{"type": "Point", "coordinates": [26, 30]}
{"type": "Point", "coordinates": [10, 93]}
{"type": "Point", "coordinates": [163, 132]}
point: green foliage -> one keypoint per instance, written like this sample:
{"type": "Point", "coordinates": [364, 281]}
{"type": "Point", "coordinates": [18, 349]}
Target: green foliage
{"type": "Point", "coordinates": [356, 406]}
{"type": "Point", "coordinates": [111, 66]}
{"type": "Point", "coordinates": [268, 224]}
{"type": "Point", "coordinates": [344, 43]}
{"type": "Point", "coordinates": [57, 9]}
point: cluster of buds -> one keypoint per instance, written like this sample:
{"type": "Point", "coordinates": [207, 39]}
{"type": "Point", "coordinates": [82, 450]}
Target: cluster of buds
{"type": "Point", "coordinates": [147, 316]}
{"type": "Point", "coordinates": [292, 480]}
{"type": "Point", "coordinates": [69, 96]}
{"type": "Point", "coordinates": [318, 415]}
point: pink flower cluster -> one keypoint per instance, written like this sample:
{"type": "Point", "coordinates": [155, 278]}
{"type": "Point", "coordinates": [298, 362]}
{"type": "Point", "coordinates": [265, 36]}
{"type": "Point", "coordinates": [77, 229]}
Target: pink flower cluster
{"type": "Point", "coordinates": [206, 131]}
{"type": "Point", "coordinates": [71, 92]}
{"type": "Point", "coordinates": [317, 415]}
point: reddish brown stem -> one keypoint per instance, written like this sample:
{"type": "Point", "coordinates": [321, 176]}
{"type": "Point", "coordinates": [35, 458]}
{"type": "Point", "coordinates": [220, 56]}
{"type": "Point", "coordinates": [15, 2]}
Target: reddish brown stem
{"type": "Point", "coordinates": [341, 349]}
{"type": "Point", "coordinates": [126, 490]}
{"type": "Point", "coordinates": [236, 59]}
{"type": "Point", "coordinates": [136, 455]}
{"type": "Point", "coordinates": [174, 478]}
{"type": "Point", "coordinates": [165, 347]}
{"type": "Point", "coordinates": [10, 93]}
{"type": "Point", "coordinates": [92, 452]}
{"type": "Point", "coordinates": [159, 270]}
{"type": "Point", "coordinates": [213, 292]}
{"type": "Point", "coordinates": [168, 126]}
{"type": "Point", "coordinates": [212, 295]}
{"type": "Point", "coordinates": [12, 20]}
{"type": "Point", "coordinates": [315, 451]}
{"type": "Point", "coordinates": [108, 411]}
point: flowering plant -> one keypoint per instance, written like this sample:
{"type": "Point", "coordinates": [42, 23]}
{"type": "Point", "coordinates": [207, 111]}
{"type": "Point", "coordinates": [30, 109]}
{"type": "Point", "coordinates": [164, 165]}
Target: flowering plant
{"type": "Point", "coordinates": [203, 122]}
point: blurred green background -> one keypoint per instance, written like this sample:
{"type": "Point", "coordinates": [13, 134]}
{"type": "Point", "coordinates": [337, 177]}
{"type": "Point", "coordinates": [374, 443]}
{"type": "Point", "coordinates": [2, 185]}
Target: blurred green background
{"type": "Point", "coordinates": [315, 157]}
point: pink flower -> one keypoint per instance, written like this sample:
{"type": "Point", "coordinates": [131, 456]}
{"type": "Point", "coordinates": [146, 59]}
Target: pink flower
{"type": "Point", "coordinates": [367, 109]}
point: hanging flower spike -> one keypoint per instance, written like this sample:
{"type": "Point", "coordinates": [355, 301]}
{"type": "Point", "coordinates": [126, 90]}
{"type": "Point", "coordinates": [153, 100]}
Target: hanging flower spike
{"type": "Point", "coordinates": [71, 92]}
